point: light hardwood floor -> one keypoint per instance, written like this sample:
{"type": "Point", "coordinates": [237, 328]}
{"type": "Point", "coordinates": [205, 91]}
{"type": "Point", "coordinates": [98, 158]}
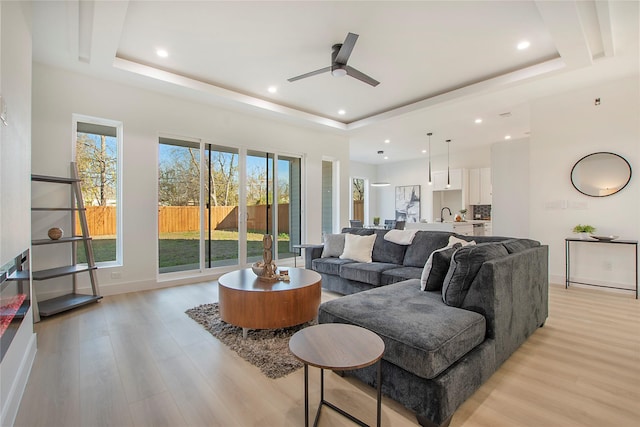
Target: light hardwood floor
{"type": "Point", "coordinates": [138, 360]}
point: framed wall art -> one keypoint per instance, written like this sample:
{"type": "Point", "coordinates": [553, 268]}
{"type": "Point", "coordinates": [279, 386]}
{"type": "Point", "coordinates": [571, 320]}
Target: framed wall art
{"type": "Point", "coordinates": [408, 203]}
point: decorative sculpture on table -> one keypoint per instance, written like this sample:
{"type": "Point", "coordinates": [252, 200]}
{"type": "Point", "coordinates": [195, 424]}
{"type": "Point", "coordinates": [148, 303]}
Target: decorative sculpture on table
{"type": "Point", "coordinates": [266, 270]}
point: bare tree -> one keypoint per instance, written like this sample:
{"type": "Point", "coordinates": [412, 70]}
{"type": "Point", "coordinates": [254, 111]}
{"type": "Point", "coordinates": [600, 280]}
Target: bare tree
{"type": "Point", "coordinates": [358, 189]}
{"type": "Point", "coordinates": [97, 164]}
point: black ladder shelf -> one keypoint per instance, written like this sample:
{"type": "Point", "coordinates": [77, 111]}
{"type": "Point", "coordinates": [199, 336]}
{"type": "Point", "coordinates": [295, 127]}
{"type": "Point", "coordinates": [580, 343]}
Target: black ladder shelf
{"type": "Point", "coordinates": [73, 299]}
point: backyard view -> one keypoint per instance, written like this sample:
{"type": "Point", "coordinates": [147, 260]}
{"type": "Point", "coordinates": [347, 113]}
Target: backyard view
{"type": "Point", "coordinates": [180, 183]}
{"type": "Point", "coordinates": [176, 248]}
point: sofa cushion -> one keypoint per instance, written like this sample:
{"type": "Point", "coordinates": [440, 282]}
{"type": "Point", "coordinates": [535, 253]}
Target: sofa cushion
{"type": "Point", "coordinates": [399, 274]}
{"type": "Point", "coordinates": [465, 264]}
{"type": "Point", "coordinates": [421, 334]}
{"type": "Point", "coordinates": [424, 242]}
{"type": "Point", "coordinates": [358, 248]}
{"type": "Point", "coordinates": [359, 231]}
{"type": "Point", "coordinates": [385, 251]}
{"type": "Point", "coordinates": [436, 268]}
{"type": "Point", "coordinates": [517, 245]}
{"type": "Point", "coordinates": [329, 265]}
{"type": "Point", "coordinates": [333, 245]}
{"type": "Point", "coordinates": [369, 272]}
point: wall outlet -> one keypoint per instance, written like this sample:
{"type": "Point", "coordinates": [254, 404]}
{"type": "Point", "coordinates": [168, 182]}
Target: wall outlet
{"type": "Point", "coordinates": [116, 275]}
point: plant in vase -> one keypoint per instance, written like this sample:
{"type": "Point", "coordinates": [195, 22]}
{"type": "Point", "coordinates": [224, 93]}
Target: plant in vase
{"type": "Point", "coordinates": [463, 212]}
{"type": "Point", "coordinates": [584, 230]}
{"type": "Point", "coordinates": [376, 220]}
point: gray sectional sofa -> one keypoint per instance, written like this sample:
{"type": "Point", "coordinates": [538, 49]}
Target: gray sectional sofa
{"type": "Point", "coordinates": [444, 342]}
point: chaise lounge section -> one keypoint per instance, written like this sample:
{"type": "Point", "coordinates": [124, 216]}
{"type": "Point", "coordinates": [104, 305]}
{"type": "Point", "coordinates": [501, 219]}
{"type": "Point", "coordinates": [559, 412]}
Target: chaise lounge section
{"type": "Point", "coordinates": [442, 344]}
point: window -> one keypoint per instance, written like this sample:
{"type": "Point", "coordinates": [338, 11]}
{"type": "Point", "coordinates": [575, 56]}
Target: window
{"type": "Point", "coordinates": [199, 220]}
{"type": "Point", "coordinates": [358, 199]}
{"type": "Point", "coordinates": [327, 197]}
{"type": "Point", "coordinates": [97, 154]}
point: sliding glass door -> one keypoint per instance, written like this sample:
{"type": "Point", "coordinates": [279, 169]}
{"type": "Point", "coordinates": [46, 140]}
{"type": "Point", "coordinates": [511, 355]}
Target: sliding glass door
{"type": "Point", "coordinates": [178, 205]}
{"type": "Point", "coordinates": [259, 201]}
{"type": "Point", "coordinates": [289, 205]}
{"type": "Point", "coordinates": [222, 206]}
{"type": "Point", "coordinates": [200, 224]}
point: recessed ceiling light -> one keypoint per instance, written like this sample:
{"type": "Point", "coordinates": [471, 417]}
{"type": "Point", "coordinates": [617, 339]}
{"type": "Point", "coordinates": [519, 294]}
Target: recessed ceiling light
{"type": "Point", "coordinates": [523, 45]}
{"type": "Point", "coordinates": [272, 89]}
{"type": "Point", "coordinates": [342, 112]}
{"type": "Point", "coordinates": [386, 157]}
{"type": "Point", "coordinates": [386, 141]}
{"type": "Point", "coordinates": [162, 53]}
{"type": "Point", "coordinates": [478, 120]}
{"type": "Point", "coordinates": [424, 151]}
{"type": "Point", "coordinates": [507, 137]}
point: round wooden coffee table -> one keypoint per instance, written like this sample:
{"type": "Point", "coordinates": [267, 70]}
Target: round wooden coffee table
{"type": "Point", "coordinates": [338, 347]}
{"type": "Point", "coordinates": [252, 303]}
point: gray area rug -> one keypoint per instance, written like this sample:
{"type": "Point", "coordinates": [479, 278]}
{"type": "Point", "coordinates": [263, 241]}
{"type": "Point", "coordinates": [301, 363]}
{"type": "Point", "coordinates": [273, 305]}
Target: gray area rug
{"type": "Point", "coordinates": [268, 349]}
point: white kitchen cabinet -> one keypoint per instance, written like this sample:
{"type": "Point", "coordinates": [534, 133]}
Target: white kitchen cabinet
{"type": "Point", "coordinates": [440, 180]}
{"type": "Point", "coordinates": [465, 229]}
{"type": "Point", "coordinates": [480, 186]}
{"type": "Point", "coordinates": [488, 229]}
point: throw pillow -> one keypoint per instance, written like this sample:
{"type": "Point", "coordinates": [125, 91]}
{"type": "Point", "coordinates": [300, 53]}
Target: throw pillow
{"type": "Point", "coordinates": [333, 245]}
{"type": "Point", "coordinates": [465, 265]}
{"type": "Point", "coordinates": [358, 248]}
{"type": "Point", "coordinates": [435, 270]}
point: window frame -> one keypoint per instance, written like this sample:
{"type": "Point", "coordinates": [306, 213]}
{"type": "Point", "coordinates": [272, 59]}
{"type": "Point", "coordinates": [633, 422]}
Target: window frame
{"type": "Point", "coordinates": [118, 125]}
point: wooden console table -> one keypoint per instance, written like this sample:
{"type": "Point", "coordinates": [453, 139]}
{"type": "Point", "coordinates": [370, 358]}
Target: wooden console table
{"type": "Point", "coordinates": [567, 242]}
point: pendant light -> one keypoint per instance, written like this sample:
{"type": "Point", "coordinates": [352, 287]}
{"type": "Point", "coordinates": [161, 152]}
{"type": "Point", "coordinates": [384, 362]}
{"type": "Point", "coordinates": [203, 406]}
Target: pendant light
{"type": "Point", "coordinates": [448, 172]}
{"type": "Point", "coordinates": [380, 183]}
{"type": "Point", "coordinates": [429, 135]}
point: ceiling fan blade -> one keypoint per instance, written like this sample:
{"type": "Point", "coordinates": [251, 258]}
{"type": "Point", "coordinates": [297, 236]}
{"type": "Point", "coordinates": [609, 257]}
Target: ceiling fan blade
{"type": "Point", "coordinates": [313, 73]}
{"type": "Point", "coordinates": [361, 76]}
{"type": "Point", "coordinates": [347, 47]}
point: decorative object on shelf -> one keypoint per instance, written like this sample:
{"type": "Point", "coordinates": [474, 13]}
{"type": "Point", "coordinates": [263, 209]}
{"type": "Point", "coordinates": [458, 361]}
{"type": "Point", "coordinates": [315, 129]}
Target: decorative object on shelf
{"type": "Point", "coordinates": [408, 203]}
{"type": "Point", "coordinates": [605, 238]}
{"type": "Point", "coordinates": [376, 220]}
{"type": "Point", "coordinates": [584, 230]}
{"type": "Point", "coordinates": [601, 174]}
{"type": "Point", "coordinates": [55, 233]}
{"type": "Point", "coordinates": [266, 270]}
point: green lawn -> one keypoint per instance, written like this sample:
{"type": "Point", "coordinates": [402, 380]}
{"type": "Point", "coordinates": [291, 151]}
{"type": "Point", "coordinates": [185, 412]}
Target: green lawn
{"type": "Point", "coordinates": [183, 248]}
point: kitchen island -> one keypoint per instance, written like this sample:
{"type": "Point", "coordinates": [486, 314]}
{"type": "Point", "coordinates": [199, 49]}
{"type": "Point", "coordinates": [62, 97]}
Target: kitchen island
{"type": "Point", "coordinates": [466, 228]}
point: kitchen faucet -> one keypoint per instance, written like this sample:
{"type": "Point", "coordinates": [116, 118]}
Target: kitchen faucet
{"type": "Point", "coordinates": [442, 214]}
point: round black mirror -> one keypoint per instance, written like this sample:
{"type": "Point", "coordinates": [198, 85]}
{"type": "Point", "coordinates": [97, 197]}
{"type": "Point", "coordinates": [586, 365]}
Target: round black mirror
{"type": "Point", "coordinates": [601, 174]}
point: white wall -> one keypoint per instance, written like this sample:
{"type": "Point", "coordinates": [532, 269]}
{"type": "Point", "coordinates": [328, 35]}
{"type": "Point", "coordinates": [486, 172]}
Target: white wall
{"type": "Point", "coordinates": [510, 188]}
{"type": "Point", "coordinates": [145, 114]}
{"type": "Point", "coordinates": [416, 172]}
{"type": "Point", "coordinates": [369, 173]}
{"type": "Point", "coordinates": [565, 128]}
{"type": "Point", "coordinates": [15, 199]}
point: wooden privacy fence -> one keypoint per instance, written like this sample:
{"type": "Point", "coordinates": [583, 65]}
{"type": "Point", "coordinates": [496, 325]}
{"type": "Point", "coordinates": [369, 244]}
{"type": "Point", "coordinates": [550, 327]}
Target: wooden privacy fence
{"type": "Point", "coordinates": [173, 219]}
{"type": "Point", "coordinates": [358, 210]}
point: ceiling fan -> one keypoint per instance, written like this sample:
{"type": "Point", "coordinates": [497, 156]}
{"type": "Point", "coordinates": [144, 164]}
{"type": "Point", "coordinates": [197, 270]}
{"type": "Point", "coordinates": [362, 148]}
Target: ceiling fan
{"type": "Point", "coordinates": [339, 57]}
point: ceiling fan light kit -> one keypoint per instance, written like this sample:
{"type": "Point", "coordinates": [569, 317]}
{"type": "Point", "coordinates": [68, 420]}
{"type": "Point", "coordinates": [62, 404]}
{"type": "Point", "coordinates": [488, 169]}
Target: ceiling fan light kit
{"type": "Point", "coordinates": [340, 54]}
